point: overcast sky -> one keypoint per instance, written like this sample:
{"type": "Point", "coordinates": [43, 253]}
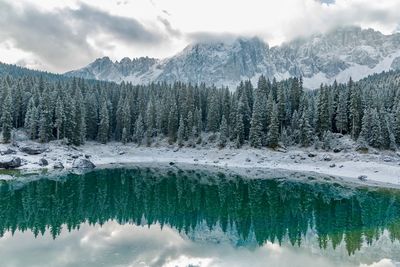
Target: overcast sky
{"type": "Point", "coordinates": [62, 35]}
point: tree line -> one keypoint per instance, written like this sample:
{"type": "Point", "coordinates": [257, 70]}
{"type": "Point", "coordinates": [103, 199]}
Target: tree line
{"type": "Point", "coordinates": [268, 114]}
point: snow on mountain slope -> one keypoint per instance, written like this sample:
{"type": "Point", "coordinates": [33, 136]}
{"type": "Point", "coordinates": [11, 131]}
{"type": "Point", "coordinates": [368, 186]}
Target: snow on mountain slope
{"type": "Point", "coordinates": [321, 58]}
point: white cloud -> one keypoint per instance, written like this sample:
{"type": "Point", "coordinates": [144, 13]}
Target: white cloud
{"type": "Point", "coordinates": [118, 245]}
{"type": "Point", "coordinates": [179, 22]}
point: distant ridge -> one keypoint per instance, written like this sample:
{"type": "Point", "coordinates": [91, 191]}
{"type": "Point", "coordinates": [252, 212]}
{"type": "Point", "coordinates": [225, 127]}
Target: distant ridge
{"type": "Point", "coordinates": [321, 58]}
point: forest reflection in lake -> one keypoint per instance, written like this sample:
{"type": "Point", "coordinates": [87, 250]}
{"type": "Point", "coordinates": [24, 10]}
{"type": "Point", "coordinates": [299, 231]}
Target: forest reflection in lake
{"type": "Point", "coordinates": [195, 217]}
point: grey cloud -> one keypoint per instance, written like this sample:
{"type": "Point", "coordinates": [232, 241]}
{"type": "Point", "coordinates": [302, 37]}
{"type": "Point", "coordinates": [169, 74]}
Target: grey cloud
{"type": "Point", "coordinates": [207, 37]}
{"type": "Point", "coordinates": [166, 12]}
{"type": "Point", "coordinates": [127, 29]}
{"type": "Point", "coordinates": [327, 1]}
{"type": "Point", "coordinates": [226, 37]}
{"type": "Point", "coordinates": [169, 28]}
{"type": "Point", "coordinates": [355, 15]}
{"type": "Point", "coordinates": [60, 38]}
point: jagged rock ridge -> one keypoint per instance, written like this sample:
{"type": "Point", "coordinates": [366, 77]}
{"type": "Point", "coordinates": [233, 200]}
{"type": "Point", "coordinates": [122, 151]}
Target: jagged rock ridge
{"type": "Point", "coordinates": [320, 58]}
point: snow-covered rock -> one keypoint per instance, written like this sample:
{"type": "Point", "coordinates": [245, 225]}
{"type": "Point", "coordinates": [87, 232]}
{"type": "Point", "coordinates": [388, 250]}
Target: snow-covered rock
{"type": "Point", "coordinates": [8, 162]}
{"type": "Point", "coordinates": [83, 164]}
{"type": "Point", "coordinates": [58, 165]}
{"type": "Point", "coordinates": [32, 149]}
{"type": "Point", "coordinates": [321, 58]}
{"type": "Point", "coordinates": [326, 157]}
{"type": "Point", "coordinates": [43, 162]}
{"type": "Point", "coordinates": [8, 151]}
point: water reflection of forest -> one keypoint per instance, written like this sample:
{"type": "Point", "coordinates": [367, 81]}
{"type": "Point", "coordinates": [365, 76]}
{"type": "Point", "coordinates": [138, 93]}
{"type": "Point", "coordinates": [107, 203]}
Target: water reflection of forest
{"type": "Point", "coordinates": [268, 209]}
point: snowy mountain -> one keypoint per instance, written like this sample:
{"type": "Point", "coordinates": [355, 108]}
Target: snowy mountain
{"type": "Point", "coordinates": [320, 58]}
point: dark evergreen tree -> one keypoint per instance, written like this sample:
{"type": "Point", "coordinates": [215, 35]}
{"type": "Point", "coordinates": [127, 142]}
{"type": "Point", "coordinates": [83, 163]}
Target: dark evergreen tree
{"type": "Point", "coordinates": [375, 133]}
{"type": "Point", "coordinates": [323, 120]}
{"type": "Point", "coordinates": [6, 119]}
{"type": "Point", "coordinates": [173, 123]}
{"type": "Point", "coordinates": [342, 113]}
{"type": "Point", "coordinates": [213, 113]}
{"type": "Point", "coordinates": [59, 117]}
{"type": "Point", "coordinates": [223, 132]}
{"type": "Point", "coordinates": [139, 130]}
{"type": "Point", "coordinates": [306, 131]}
{"type": "Point", "coordinates": [396, 127]}
{"type": "Point", "coordinates": [273, 130]}
{"type": "Point", "coordinates": [355, 109]}
{"type": "Point", "coordinates": [104, 123]}
{"type": "Point", "coordinates": [31, 119]}
{"type": "Point", "coordinates": [256, 130]}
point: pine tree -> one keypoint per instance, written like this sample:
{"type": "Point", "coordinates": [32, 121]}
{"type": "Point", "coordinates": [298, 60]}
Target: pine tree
{"type": "Point", "coordinates": [375, 136]}
{"type": "Point", "coordinates": [295, 94]}
{"type": "Point", "coordinates": [364, 135]}
{"type": "Point", "coordinates": [104, 123]}
{"type": "Point", "coordinates": [151, 119]}
{"type": "Point", "coordinates": [223, 132]}
{"type": "Point", "coordinates": [396, 127]}
{"type": "Point", "coordinates": [387, 135]}
{"type": "Point", "coordinates": [213, 113]}
{"type": "Point", "coordinates": [31, 119]}
{"type": "Point", "coordinates": [295, 128]}
{"type": "Point", "coordinates": [323, 120]}
{"type": "Point", "coordinates": [79, 132]}
{"type": "Point", "coordinates": [6, 119]}
{"type": "Point", "coordinates": [226, 104]}
{"type": "Point", "coordinates": [327, 138]}
{"type": "Point", "coordinates": [125, 136]}
{"type": "Point", "coordinates": [139, 130]}
{"type": "Point", "coordinates": [355, 110]}
{"type": "Point", "coordinates": [119, 118]}
{"type": "Point", "coordinates": [270, 105]}
{"type": "Point", "coordinates": [92, 116]}
{"type": "Point", "coordinates": [245, 113]}
{"type": "Point", "coordinates": [70, 118]}
{"type": "Point", "coordinates": [126, 122]}
{"type": "Point", "coordinates": [239, 130]}
{"type": "Point", "coordinates": [341, 117]}
{"type": "Point", "coordinates": [273, 130]}
{"type": "Point", "coordinates": [256, 130]}
{"type": "Point", "coordinates": [173, 123]}
{"type": "Point", "coordinates": [198, 122]}
{"type": "Point", "coordinates": [59, 117]}
{"type": "Point", "coordinates": [306, 131]}
{"type": "Point", "coordinates": [45, 121]}
{"type": "Point", "coordinates": [281, 106]}
{"type": "Point", "coordinates": [181, 131]}
{"type": "Point", "coordinates": [190, 126]}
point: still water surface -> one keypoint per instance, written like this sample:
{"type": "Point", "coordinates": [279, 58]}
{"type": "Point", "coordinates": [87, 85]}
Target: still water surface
{"type": "Point", "coordinates": [160, 217]}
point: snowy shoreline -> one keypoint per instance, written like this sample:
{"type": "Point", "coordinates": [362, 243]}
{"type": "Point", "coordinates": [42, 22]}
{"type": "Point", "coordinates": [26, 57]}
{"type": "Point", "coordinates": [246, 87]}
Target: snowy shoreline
{"type": "Point", "coordinates": [378, 168]}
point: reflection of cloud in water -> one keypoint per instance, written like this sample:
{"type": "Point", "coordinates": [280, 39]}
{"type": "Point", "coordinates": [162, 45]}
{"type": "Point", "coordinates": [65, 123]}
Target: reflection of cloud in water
{"type": "Point", "coordinates": [129, 245]}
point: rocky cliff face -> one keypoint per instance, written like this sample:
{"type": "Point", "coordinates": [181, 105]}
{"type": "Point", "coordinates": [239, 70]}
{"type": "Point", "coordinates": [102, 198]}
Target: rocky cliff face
{"type": "Point", "coordinates": [320, 58]}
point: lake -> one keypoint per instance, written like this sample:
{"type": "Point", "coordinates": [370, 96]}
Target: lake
{"type": "Point", "coordinates": [170, 217]}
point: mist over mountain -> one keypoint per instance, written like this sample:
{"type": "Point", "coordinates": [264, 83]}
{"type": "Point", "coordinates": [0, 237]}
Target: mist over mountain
{"type": "Point", "coordinates": [321, 58]}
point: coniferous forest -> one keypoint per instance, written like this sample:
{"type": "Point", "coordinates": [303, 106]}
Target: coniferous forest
{"type": "Point", "coordinates": [266, 114]}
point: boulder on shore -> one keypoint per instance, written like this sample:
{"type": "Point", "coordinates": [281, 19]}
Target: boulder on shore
{"type": "Point", "coordinates": [32, 149]}
{"type": "Point", "coordinates": [362, 178]}
{"type": "Point", "coordinates": [326, 157]}
{"type": "Point", "coordinates": [43, 162]}
{"type": "Point", "coordinates": [8, 151]}
{"type": "Point", "coordinates": [83, 164]}
{"type": "Point", "coordinates": [58, 165]}
{"type": "Point", "coordinates": [10, 162]}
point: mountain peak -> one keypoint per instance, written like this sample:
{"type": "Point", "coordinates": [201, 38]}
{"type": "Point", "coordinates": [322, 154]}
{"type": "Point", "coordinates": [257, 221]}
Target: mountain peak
{"type": "Point", "coordinates": [104, 59]}
{"type": "Point", "coordinates": [320, 58]}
